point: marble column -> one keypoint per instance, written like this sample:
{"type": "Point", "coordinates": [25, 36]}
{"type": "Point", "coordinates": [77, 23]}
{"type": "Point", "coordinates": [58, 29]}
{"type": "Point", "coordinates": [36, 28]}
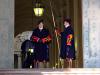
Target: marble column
{"type": "Point", "coordinates": [91, 33]}
{"type": "Point", "coordinates": [6, 33]}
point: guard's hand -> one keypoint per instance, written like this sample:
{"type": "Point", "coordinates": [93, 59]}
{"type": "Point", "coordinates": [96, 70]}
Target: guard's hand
{"type": "Point", "coordinates": [55, 30]}
{"type": "Point", "coordinates": [39, 41]}
{"type": "Point", "coordinates": [58, 31]}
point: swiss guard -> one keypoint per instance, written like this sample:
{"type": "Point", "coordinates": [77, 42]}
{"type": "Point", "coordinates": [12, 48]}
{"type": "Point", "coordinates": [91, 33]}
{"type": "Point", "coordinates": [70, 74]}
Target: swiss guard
{"type": "Point", "coordinates": [67, 51]}
{"type": "Point", "coordinates": [41, 38]}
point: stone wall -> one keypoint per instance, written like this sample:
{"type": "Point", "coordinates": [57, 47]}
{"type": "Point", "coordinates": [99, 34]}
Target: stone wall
{"type": "Point", "coordinates": [6, 33]}
{"type": "Point", "coordinates": [91, 33]}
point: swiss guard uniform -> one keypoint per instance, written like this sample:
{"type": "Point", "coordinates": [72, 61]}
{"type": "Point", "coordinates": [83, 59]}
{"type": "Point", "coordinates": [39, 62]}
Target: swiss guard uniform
{"type": "Point", "coordinates": [67, 44]}
{"type": "Point", "coordinates": [27, 54]}
{"type": "Point", "coordinates": [41, 38]}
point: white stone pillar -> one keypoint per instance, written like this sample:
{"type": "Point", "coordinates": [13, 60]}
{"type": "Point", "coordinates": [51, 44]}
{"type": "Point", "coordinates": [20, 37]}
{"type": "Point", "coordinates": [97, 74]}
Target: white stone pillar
{"type": "Point", "coordinates": [91, 33]}
{"type": "Point", "coordinates": [6, 34]}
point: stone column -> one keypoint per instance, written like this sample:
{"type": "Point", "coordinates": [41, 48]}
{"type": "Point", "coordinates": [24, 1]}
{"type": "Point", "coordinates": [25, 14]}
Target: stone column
{"type": "Point", "coordinates": [91, 33]}
{"type": "Point", "coordinates": [6, 33]}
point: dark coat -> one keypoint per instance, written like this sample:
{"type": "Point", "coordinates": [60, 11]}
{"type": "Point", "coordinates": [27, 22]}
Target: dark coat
{"type": "Point", "coordinates": [41, 49]}
{"type": "Point", "coordinates": [67, 51]}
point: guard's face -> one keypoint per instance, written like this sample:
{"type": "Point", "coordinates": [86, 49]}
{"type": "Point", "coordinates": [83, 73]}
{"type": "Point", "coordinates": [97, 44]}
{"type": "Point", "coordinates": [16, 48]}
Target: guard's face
{"type": "Point", "coordinates": [66, 24]}
{"type": "Point", "coordinates": [41, 26]}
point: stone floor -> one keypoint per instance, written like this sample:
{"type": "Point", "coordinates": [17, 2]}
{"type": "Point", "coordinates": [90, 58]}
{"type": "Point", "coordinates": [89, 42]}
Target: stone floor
{"type": "Point", "coordinates": [74, 71]}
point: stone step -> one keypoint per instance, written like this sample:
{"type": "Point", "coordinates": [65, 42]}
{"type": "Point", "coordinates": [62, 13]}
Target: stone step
{"type": "Point", "coordinates": [73, 71]}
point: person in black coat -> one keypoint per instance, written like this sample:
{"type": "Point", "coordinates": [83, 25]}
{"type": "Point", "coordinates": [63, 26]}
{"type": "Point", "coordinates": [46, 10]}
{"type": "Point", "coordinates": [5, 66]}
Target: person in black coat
{"type": "Point", "coordinates": [41, 38]}
{"type": "Point", "coordinates": [67, 51]}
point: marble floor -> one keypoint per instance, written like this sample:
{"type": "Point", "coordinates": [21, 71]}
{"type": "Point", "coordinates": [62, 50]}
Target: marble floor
{"type": "Point", "coordinates": [73, 71]}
